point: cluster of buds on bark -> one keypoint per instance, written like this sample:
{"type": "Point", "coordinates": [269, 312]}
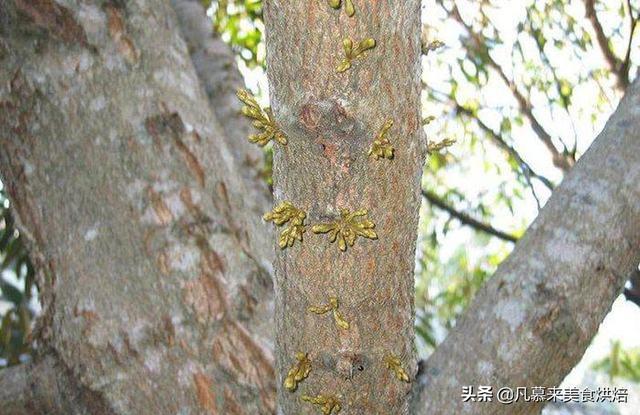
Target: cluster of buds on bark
{"type": "Point", "coordinates": [352, 53]}
{"type": "Point", "coordinates": [285, 213]}
{"type": "Point", "coordinates": [348, 6]}
{"type": "Point", "coordinates": [348, 227]}
{"type": "Point", "coordinates": [382, 147]}
{"type": "Point", "coordinates": [263, 120]}
{"type": "Point", "coordinates": [332, 305]}
{"type": "Point", "coordinates": [329, 404]}
{"type": "Point", "coordinates": [298, 372]}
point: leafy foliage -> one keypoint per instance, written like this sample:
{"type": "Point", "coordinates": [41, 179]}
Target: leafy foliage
{"type": "Point", "coordinates": [621, 363]}
{"type": "Point", "coordinates": [240, 24]}
{"type": "Point", "coordinates": [16, 290]}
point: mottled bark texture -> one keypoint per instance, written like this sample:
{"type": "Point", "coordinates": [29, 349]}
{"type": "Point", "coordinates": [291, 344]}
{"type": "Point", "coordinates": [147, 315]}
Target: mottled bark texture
{"type": "Point", "coordinates": [46, 387]}
{"type": "Point", "coordinates": [219, 75]}
{"type": "Point", "coordinates": [331, 120]}
{"type": "Point", "coordinates": [153, 262]}
{"type": "Point", "coordinates": [534, 319]}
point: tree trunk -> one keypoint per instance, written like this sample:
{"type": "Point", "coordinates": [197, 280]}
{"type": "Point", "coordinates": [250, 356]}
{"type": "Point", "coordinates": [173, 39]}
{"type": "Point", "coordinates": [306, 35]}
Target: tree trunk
{"type": "Point", "coordinates": [152, 257]}
{"type": "Point", "coordinates": [331, 120]}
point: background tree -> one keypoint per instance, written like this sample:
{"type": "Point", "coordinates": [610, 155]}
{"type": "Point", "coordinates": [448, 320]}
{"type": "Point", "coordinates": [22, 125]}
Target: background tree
{"type": "Point", "coordinates": [62, 44]}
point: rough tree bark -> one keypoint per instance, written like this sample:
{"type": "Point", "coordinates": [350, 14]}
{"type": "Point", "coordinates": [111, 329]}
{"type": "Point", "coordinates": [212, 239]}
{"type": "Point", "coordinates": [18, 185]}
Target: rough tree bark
{"type": "Point", "coordinates": [532, 322]}
{"type": "Point", "coordinates": [151, 253]}
{"type": "Point", "coordinates": [128, 167]}
{"type": "Point", "coordinates": [332, 120]}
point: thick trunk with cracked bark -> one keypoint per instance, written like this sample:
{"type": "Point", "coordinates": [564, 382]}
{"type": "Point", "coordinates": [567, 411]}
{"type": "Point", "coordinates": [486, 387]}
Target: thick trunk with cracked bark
{"type": "Point", "coordinates": [152, 258]}
{"type": "Point", "coordinates": [332, 120]}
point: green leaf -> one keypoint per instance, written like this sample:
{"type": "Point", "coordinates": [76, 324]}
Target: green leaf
{"type": "Point", "coordinates": [10, 292]}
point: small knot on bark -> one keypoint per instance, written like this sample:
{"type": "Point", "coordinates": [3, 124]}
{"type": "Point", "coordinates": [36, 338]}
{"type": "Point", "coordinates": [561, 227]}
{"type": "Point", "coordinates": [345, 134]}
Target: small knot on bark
{"type": "Point", "coordinates": [327, 117]}
{"type": "Point", "coordinates": [310, 116]}
{"type": "Point", "coordinates": [334, 130]}
{"type": "Point", "coordinates": [349, 365]}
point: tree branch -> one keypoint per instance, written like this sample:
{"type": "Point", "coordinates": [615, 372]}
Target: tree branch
{"type": "Point", "coordinates": [547, 63]}
{"type": "Point", "coordinates": [560, 160]}
{"type": "Point", "coordinates": [16, 392]}
{"type": "Point", "coordinates": [524, 166]}
{"type": "Point", "coordinates": [615, 64]}
{"type": "Point", "coordinates": [556, 286]}
{"type": "Point", "coordinates": [466, 219]}
{"type": "Point", "coordinates": [626, 63]}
